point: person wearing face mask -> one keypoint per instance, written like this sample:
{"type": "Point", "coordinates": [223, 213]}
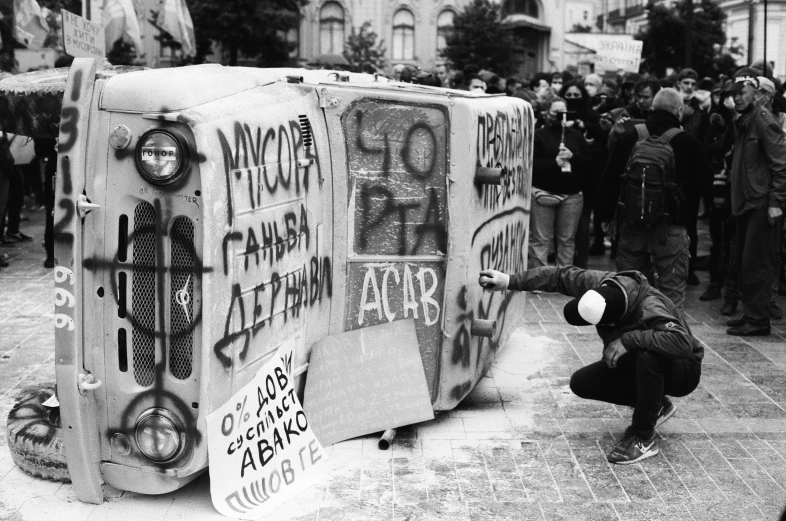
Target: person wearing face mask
{"type": "Point", "coordinates": [719, 146]}
{"type": "Point", "coordinates": [561, 158]}
{"type": "Point", "coordinates": [649, 351]}
{"type": "Point", "coordinates": [477, 87]}
{"type": "Point", "coordinates": [637, 111]}
{"type": "Point", "coordinates": [758, 195]}
{"type": "Point", "coordinates": [663, 246]}
{"type": "Point", "coordinates": [592, 83]}
{"type": "Point", "coordinates": [586, 121]}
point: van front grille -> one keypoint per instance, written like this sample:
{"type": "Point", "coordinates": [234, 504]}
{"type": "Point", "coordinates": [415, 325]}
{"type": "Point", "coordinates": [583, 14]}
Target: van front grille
{"type": "Point", "coordinates": [181, 347]}
{"type": "Point", "coordinates": [143, 294]}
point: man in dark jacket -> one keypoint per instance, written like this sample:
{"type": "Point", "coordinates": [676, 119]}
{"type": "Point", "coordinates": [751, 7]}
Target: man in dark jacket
{"type": "Point", "coordinates": [758, 194]}
{"type": "Point", "coordinates": [665, 247]}
{"type": "Point", "coordinates": [648, 348]}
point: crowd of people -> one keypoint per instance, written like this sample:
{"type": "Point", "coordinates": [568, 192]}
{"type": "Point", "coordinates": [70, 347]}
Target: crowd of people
{"type": "Point", "coordinates": [713, 148]}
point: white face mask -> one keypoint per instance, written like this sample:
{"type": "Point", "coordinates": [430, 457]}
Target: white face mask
{"type": "Point", "coordinates": [591, 90]}
{"type": "Point", "coordinates": [728, 102]}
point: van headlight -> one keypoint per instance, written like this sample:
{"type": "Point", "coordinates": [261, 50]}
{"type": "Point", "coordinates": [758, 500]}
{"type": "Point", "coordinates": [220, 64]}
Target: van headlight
{"type": "Point", "coordinates": [161, 157]}
{"type": "Point", "coordinates": [159, 434]}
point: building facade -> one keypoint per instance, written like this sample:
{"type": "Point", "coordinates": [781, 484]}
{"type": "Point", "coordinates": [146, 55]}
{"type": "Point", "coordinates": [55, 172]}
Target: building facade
{"type": "Point", "coordinates": [745, 27]}
{"type": "Point", "coordinates": [414, 30]}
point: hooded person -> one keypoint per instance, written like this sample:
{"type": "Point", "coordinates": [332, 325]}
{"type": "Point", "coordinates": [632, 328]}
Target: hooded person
{"type": "Point", "coordinates": [649, 351]}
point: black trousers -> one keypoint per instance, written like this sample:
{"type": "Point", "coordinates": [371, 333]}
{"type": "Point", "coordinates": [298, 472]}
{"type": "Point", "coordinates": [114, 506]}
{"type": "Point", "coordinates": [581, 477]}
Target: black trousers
{"type": "Point", "coordinates": [640, 380]}
{"type": "Point", "coordinates": [757, 254]}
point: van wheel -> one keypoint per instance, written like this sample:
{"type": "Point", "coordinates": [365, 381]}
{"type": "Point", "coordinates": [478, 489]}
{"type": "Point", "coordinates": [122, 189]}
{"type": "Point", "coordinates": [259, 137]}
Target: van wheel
{"type": "Point", "coordinates": [35, 437]}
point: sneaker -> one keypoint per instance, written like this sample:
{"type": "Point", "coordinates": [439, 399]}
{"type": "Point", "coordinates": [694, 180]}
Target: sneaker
{"type": "Point", "coordinates": [19, 236]}
{"type": "Point", "coordinates": [775, 311]}
{"type": "Point", "coordinates": [667, 410]}
{"type": "Point", "coordinates": [632, 449]}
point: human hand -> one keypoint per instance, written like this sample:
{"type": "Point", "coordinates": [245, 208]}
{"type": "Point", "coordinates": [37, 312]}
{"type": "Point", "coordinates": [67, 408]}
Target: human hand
{"type": "Point", "coordinates": [612, 353]}
{"type": "Point", "coordinates": [569, 124]}
{"type": "Point", "coordinates": [773, 213]}
{"type": "Point", "coordinates": [564, 153]}
{"type": "Point", "coordinates": [494, 280]}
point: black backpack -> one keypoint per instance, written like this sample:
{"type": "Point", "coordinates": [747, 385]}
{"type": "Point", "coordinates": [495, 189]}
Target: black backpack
{"type": "Point", "coordinates": [648, 184]}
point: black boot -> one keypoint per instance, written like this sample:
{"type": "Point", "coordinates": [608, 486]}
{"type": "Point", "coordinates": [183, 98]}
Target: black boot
{"type": "Point", "coordinates": [713, 292]}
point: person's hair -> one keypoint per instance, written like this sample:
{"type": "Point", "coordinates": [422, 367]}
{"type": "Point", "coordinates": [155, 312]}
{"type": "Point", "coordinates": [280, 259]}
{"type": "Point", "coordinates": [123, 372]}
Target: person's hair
{"type": "Point", "coordinates": [596, 79]}
{"type": "Point", "coordinates": [647, 81]}
{"type": "Point", "coordinates": [580, 86]}
{"type": "Point", "coordinates": [668, 99]}
{"type": "Point", "coordinates": [555, 75]}
{"type": "Point", "coordinates": [546, 105]}
{"type": "Point", "coordinates": [611, 84]}
{"type": "Point", "coordinates": [457, 79]}
{"type": "Point", "coordinates": [511, 81]}
{"type": "Point", "coordinates": [687, 72]}
{"type": "Point", "coordinates": [470, 70]}
{"type": "Point", "coordinates": [669, 82]}
{"type": "Point", "coordinates": [493, 80]}
{"type": "Point", "coordinates": [534, 83]}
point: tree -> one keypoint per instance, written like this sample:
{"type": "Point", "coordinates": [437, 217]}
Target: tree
{"type": "Point", "coordinates": [362, 50]}
{"type": "Point", "coordinates": [479, 37]}
{"type": "Point", "coordinates": [664, 36]}
{"type": "Point", "coordinates": [253, 28]}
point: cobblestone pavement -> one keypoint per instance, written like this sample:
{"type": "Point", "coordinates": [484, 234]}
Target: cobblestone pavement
{"type": "Point", "coordinates": [520, 447]}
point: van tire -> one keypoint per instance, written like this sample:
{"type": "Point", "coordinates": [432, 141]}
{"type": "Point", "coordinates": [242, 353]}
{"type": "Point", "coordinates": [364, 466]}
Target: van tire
{"type": "Point", "coordinates": [36, 446]}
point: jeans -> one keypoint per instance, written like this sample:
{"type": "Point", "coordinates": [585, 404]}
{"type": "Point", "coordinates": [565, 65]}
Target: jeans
{"type": "Point", "coordinates": [757, 253]}
{"type": "Point", "coordinates": [550, 223]}
{"type": "Point", "coordinates": [640, 380]}
{"type": "Point", "coordinates": [665, 248]}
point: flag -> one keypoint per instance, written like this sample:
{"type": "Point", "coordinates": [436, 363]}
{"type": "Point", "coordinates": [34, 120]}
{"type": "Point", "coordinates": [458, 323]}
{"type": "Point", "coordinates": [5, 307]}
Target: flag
{"type": "Point", "coordinates": [30, 27]}
{"type": "Point", "coordinates": [120, 22]}
{"type": "Point", "coordinates": [174, 18]}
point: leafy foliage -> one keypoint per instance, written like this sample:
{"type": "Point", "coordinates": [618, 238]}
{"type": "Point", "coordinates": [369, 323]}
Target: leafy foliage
{"type": "Point", "coordinates": [363, 51]}
{"type": "Point", "coordinates": [664, 37]}
{"type": "Point", "coordinates": [479, 37]}
{"type": "Point", "coordinates": [253, 28]}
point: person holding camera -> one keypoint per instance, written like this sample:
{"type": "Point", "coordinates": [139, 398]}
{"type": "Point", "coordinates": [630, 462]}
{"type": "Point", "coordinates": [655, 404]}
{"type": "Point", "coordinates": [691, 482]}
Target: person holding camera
{"type": "Point", "coordinates": [649, 351]}
{"type": "Point", "coordinates": [561, 159]}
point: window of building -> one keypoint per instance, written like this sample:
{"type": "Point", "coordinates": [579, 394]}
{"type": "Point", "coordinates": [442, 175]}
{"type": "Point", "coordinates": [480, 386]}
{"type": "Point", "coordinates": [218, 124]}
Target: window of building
{"type": "Point", "coordinates": [331, 28]}
{"type": "Point", "coordinates": [292, 37]}
{"type": "Point", "coordinates": [586, 15]}
{"type": "Point", "coordinates": [403, 35]}
{"type": "Point", "coordinates": [527, 7]}
{"type": "Point", "coordinates": [444, 25]}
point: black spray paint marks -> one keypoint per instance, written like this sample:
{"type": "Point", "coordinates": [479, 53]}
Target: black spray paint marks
{"type": "Point", "coordinates": [250, 154]}
{"type": "Point", "coordinates": [502, 143]}
{"type": "Point", "coordinates": [285, 295]}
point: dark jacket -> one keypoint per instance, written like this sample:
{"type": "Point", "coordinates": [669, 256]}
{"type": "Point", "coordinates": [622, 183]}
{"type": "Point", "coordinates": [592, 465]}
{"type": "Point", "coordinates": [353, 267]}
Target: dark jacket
{"type": "Point", "coordinates": [546, 173]}
{"type": "Point", "coordinates": [758, 171]}
{"type": "Point", "coordinates": [651, 321]}
{"type": "Point", "coordinates": [690, 168]}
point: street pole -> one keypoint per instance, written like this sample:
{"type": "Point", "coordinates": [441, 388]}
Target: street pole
{"type": "Point", "coordinates": [751, 28]}
{"type": "Point", "coordinates": [766, 74]}
{"type": "Point", "coordinates": [689, 33]}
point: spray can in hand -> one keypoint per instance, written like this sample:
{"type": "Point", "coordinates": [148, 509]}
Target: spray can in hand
{"type": "Point", "coordinates": [563, 163]}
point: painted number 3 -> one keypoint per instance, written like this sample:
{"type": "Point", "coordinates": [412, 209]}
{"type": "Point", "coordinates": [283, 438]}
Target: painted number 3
{"type": "Point", "coordinates": [63, 297]}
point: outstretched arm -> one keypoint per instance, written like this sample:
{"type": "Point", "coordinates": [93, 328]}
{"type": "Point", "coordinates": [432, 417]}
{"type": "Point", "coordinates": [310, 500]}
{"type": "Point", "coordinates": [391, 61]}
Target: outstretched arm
{"type": "Point", "coordinates": [568, 280]}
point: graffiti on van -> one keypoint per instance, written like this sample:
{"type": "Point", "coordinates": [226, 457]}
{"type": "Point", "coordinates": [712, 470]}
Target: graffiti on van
{"type": "Point", "coordinates": [502, 143]}
{"type": "Point", "coordinates": [498, 242]}
{"type": "Point", "coordinates": [271, 249]}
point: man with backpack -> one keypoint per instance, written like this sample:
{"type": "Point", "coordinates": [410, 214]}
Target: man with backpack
{"type": "Point", "coordinates": [649, 171]}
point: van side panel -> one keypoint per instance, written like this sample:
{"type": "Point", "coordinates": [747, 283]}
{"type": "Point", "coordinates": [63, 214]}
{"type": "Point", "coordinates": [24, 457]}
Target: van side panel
{"type": "Point", "coordinates": [489, 228]}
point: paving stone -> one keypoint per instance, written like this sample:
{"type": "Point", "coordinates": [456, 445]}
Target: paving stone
{"type": "Point", "coordinates": [650, 511]}
{"type": "Point", "coordinates": [588, 511]}
{"type": "Point", "coordinates": [726, 511]}
{"type": "Point", "coordinates": [504, 511]}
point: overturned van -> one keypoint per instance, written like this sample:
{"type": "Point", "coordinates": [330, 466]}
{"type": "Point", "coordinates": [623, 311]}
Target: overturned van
{"type": "Point", "coordinates": [206, 215]}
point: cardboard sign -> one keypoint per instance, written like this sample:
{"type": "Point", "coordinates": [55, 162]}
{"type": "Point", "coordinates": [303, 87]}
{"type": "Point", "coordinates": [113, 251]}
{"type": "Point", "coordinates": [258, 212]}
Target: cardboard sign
{"type": "Point", "coordinates": [82, 38]}
{"type": "Point", "coordinates": [261, 447]}
{"type": "Point", "coordinates": [614, 55]}
{"type": "Point", "coordinates": [365, 381]}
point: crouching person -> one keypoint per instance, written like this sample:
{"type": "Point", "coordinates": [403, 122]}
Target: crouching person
{"type": "Point", "coordinates": [649, 351]}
